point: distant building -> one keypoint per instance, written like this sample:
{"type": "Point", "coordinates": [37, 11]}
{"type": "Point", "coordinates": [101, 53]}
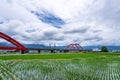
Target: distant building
{"type": "Point", "coordinates": [96, 50]}
{"type": "Point", "coordinates": [115, 50]}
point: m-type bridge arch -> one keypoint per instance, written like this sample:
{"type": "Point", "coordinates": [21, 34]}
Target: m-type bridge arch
{"type": "Point", "coordinates": [18, 46]}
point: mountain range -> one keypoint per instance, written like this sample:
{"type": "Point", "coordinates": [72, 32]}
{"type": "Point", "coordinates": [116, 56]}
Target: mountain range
{"type": "Point", "coordinates": [110, 48]}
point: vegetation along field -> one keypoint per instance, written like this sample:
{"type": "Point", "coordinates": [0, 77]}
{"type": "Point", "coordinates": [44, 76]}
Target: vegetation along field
{"type": "Point", "coordinates": [70, 66]}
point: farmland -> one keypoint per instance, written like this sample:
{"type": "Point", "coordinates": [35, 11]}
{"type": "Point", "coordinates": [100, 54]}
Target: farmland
{"type": "Point", "coordinates": [70, 66]}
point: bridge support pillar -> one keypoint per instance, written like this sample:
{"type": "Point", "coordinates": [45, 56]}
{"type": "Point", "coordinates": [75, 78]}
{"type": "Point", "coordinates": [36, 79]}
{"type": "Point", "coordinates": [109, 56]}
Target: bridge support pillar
{"type": "Point", "coordinates": [39, 51]}
{"type": "Point", "coordinates": [52, 51]}
{"type": "Point", "coordinates": [22, 51]}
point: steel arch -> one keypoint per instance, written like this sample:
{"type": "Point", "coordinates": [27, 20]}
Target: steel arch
{"type": "Point", "coordinates": [13, 41]}
{"type": "Point", "coordinates": [74, 47]}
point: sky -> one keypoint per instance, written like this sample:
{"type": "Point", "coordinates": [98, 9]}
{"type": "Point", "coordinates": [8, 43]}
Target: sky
{"type": "Point", "coordinates": [93, 22]}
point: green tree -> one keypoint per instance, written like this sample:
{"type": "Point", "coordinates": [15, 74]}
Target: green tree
{"type": "Point", "coordinates": [104, 49]}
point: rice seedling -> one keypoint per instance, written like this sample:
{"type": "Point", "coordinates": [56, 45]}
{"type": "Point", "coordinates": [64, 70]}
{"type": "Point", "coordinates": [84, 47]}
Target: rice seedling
{"type": "Point", "coordinates": [92, 68]}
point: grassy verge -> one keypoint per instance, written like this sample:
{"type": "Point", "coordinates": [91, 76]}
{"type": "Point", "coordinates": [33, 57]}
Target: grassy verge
{"type": "Point", "coordinates": [56, 56]}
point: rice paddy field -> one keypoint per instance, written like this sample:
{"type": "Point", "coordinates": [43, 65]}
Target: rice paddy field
{"type": "Point", "coordinates": [70, 66]}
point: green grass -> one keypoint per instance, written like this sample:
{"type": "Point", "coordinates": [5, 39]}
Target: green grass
{"type": "Point", "coordinates": [70, 66]}
{"type": "Point", "coordinates": [55, 56]}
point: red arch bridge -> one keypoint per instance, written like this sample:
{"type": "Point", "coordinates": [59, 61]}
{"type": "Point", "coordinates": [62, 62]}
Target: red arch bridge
{"type": "Point", "coordinates": [20, 47]}
{"type": "Point", "coordinates": [74, 47]}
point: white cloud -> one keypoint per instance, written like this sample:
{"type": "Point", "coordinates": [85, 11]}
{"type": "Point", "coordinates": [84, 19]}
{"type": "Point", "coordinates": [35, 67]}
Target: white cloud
{"type": "Point", "coordinates": [14, 11]}
{"type": "Point", "coordinates": [93, 22]}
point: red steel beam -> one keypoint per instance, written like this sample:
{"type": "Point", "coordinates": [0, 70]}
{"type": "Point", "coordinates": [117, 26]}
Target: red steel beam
{"type": "Point", "coordinates": [71, 47]}
{"type": "Point", "coordinates": [13, 41]}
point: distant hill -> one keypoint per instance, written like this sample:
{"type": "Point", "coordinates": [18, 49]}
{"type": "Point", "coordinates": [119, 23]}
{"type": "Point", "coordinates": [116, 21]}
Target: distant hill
{"type": "Point", "coordinates": [34, 45]}
{"type": "Point", "coordinates": [6, 44]}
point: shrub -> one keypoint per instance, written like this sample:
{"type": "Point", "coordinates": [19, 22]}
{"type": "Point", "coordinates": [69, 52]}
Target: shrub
{"type": "Point", "coordinates": [104, 49]}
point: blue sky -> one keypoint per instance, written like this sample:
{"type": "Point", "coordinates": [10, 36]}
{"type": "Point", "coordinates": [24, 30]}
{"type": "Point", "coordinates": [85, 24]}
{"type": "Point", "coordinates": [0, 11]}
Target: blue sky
{"type": "Point", "coordinates": [49, 18]}
{"type": "Point", "coordinates": [93, 22]}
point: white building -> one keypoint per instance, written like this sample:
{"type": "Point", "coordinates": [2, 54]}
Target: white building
{"type": "Point", "coordinates": [96, 49]}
